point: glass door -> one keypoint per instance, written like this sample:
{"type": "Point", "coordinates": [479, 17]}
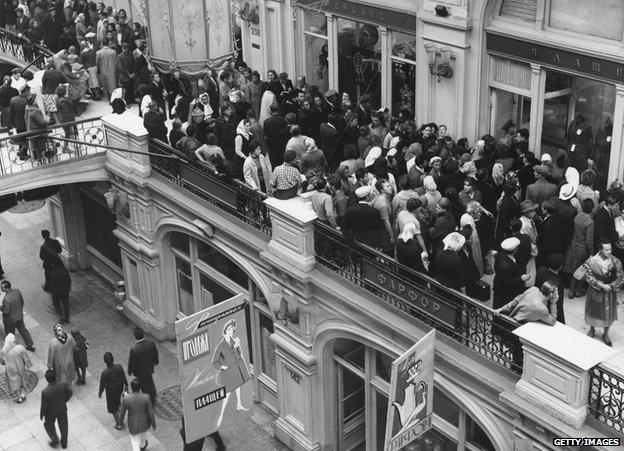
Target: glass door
{"type": "Point", "coordinates": [185, 286]}
{"type": "Point", "coordinates": [351, 409]}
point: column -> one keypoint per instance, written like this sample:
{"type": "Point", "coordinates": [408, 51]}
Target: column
{"type": "Point", "coordinates": [68, 225]}
{"type": "Point", "coordinates": [332, 47]}
{"type": "Point", "coordinates": [555, 376]}
{"type": "Point", "coordinates": [538, 85]}
{"type": "Point", "coordinates": [386, 67]}
{"type": "Point", "coordinates": [616, 165]}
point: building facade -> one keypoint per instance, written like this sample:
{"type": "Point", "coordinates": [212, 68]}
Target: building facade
{"type": "Point", "coordinates": [553, 67]}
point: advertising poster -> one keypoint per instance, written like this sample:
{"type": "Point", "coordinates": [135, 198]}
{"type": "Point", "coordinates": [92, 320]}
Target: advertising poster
{"type": "Point", "coordinates": [213, 354]}
{"type": "Point", "coordinates": [410, 406]}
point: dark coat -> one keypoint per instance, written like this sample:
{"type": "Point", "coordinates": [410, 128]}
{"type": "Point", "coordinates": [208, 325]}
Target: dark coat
{"type": "Point", "coordinates": [449, 269]}
{"type": "Point", "coordinates": [549, 238]}
{"type": "Point", "coordinates": [363, 223]}
{"type": "Point", "coordinates": [7, 92]}
{"type": "Point", "coordinates": [540, 191]}
{"type": "Point", "coordinates": [17, 111]}
{"type": "Point", "coordinates": [59, 281]}
{"type": "Point", "coordinates": [66, 111]}
{"type": "Point", "coordinates": [604, 227]}
{"type": "Point", "coordinates": [330, 140]}
{"type": "Point", "coordinates": [442, 226]}
{"type": "Point", "coordinates": [225, 130]}
{"type": "Point", "coordinates": [509, 209]}
{"type": "Point", "coordinates": [523, 254]}
{"type": "Point", "coordinates": [508, 282]}
{"type": "Point", "coordinates": [126, 67]}
{"type": "Point", "coordinates": [154, 123]}
{"type": "Point", "coordinates": [54, 399]}
{"type": "Point", "coordinates": [49, 253]}
{"type": "Point", "coordinates": [143, 358]}
{"type": "Point", "coordinates": [140, 412]}
{"type": "Point", "coordinates": [13, 306]}
{"type": "Point", "coordinates": [113, 380]}
{"type": "Point", "coordinates": [276, 141]}
{"type": "Point", "coordinates": [566, 214]}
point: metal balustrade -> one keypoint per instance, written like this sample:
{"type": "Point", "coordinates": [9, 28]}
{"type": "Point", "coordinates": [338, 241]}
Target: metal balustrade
{"type": "Point", "coordinates": [448, 311]}
{"type": "Point", "coordinates": [231, 196]}
{"type": "Point", "coordinates": [606, 398]}
{"type": "Point", "coordinates": [16, 151]}
{"type": "Point", "coordinates": [22, 49]}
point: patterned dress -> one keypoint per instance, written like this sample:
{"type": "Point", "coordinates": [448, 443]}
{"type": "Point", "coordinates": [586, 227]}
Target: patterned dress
{"type": "Point", "coordinates": [600, 305]}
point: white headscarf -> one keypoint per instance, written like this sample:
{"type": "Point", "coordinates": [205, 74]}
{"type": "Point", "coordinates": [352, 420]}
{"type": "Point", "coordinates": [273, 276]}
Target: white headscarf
{"type": "Point", "coordinates": [409, 230]}
{"type": "Point", "coordinates": [454, 241]}
{"type": "Point", "coordinates": [241, 129]}
{"type": "Point", "coordinates": [372, 156]}
{"type": "Point", "coordinates": [429, 183]}
{"type": "Point", "coordinates": [9, 342]}
{"type": "Point", "coordinates": [572, 176]}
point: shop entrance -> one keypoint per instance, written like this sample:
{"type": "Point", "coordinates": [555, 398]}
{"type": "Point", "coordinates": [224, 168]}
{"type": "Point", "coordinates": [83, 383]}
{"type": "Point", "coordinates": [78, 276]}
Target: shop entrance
{"type": "Point", "coordinates": [362, 384]}
{"type": "Point", "coordinates": [505, 106]}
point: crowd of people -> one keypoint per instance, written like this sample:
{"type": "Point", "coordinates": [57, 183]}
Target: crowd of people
{"type": "Point", "coordinates": [440, 205]}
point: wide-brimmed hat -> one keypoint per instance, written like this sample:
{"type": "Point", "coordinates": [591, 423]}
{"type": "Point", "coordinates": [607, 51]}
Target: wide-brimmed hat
{"type": "Point", "coordinates": [363, 191]}
{"type": "Point", "coordinates": [567, 191]}
{"type": "Point", "coordinates": [528, 205]}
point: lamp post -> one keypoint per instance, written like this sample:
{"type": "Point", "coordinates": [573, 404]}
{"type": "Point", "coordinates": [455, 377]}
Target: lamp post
{"type": "Point", "coordinates": [440, 67]}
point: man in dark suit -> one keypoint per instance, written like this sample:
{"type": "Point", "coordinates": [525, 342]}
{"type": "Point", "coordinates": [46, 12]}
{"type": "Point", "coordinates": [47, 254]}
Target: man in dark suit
{"type": "Point", "coordinates": [54, 408]}
{"type": "Point", "coordinates": [541, 190]}
{"type": "Point", "coordinates": [49, 253]}
{"type": "Point", "coordinates": [364, 110]}
{"type": "Point", "coordinates": [60, 286]}
{"type": "Point", "coordinates": [330, 138]}
{"type": "Point", "coordinates": [17, 120]}
{"type": "Point", "coordinates": [143, 358]}
{"type": "Point", "coordinates": [566, 212]}
{"type": "Point", "coordinates": [126, 68]}
{"type": "Point", "coordinates": [442, 226]}
{"type": "Point", "coordinates": [604, 221]}
{"type": "Point", "coordinates": [13, 313]}
{"type": "Point", "coordinates": [140, 414]}
{"type": "Point", "coordinates": [275, 138]}
{"type": "Point", "coordinates": [156, 91]}
{"type": "Point", "coordinates": [549, 239]}
{"type": "Point", "coordinates": [363, 222]}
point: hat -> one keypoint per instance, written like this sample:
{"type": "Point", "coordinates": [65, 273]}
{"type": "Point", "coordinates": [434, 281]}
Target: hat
{"type": "Point", "coordinates": [555, 260]}
{"type": "Point", "coordinates": [454, 241]}
{"type": "Point", "coordinates": [289, 156]}
{"type": "Point", "coordinates": [433, 160]}
{"type": "Point", "coordinates": [567, 191]}
{"type": "Point", "coordinates": [90, 35]}
{"type": "Point", "coordinates": [510, 244]}
{"type": "Point", "coordinates": [528, 205]}
{"type": "Point", "coordinates": [363, 192]}
{"type": "Point", "coordinates": [508, 125]}
{"type": "Point", "coordinates": [541, 169]}
{"type": "Point", "coordinates": [331, 92]}
{"type": "Point", "coordinates": [546, 157]}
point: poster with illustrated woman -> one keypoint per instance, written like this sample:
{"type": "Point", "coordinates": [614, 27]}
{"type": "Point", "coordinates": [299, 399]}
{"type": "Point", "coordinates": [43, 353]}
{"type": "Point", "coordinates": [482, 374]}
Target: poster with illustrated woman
{"type": "Point", "coordinates": [213, 354]}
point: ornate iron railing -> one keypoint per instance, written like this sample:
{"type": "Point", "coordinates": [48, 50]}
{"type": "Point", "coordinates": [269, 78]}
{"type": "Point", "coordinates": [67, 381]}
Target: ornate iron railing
{"type": "Point", "coordinates": [421, 297]}
{"type": "Point", "coordinates": [22, 49]}
{"type": "Point", "coordinates": [30, 149]}
{"type": "Point", "coordinates": [231, 196]}
{"type": "Point", "coordinates": [606, 398]}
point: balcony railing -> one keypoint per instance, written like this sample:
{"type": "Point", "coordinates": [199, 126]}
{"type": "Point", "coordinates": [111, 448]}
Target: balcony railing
{"type": "Point", "coordinates": [90, 133]}
{"type": "Point", "coordinates": [606, 398]}
{"type": "Point", "coordinates": [22, 49]}
{"type": "Point", "coordinates": [421, 297]}
{"type": "Point", "coordinates": [231, 196]}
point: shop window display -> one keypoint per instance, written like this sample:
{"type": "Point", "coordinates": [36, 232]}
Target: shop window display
{"type": "Point", "coordinates": [403, 72]}
{"type": "Point", "coordinates": [359, 60]}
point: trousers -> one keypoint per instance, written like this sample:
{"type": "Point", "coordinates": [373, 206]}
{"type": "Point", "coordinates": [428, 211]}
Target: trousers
{"type": "Point", "coordinates": [61, 304]}
{"type": "Point", "coordinates": [48, 424]}
{"type": "Point", "coordinates": [137, 441]}
{"type": "Point", "coordinates": [148, 386]}
{"type": "Point", "coordinates": [10, 327]}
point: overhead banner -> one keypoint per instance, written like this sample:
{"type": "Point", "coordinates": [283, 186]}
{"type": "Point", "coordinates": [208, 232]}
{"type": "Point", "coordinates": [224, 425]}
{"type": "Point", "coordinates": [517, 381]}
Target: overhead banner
{"type": "Point", "coordinates": [213, 354]}
{"type": "Point", "coordinates": [410, 406]}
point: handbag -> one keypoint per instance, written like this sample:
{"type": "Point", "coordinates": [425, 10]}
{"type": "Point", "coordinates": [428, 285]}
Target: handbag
{"type": "Point", "coordinates": [479, 290]}
{"type": "Point", "coordinates": [580, 272]}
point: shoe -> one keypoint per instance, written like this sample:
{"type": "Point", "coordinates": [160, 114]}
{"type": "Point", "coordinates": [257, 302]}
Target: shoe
{"type": "Point", "coordinates": [19, 400]}
{"type": "Point", "coordinates": [591, 333]}
{"type": "Point", "coordinates": [118, 427]}
{"type": "Point", "coordinates": [607, 341]}
{"type": "Point", "coordinates": [145, 446]}
{"type": "Point", "coordinates": [30, 348]}
{"type": "Point", "coordinates": [53, 443]}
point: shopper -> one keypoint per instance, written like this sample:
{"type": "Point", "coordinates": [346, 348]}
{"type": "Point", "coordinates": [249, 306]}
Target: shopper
{"type": "Point", "coordinates": [143, 358]}
{"type": "Point", "coordinates": [15, 359]}
{"type": "Point", "coordinates": [140, 415]}
{"type": "Point", "coordinates": [13, 313]}
{"type": "Point", "coordinates": [61, 355]}
{"type": "Point", "coordinates": [113, 381]}
{"type": "Point", "coordinates": [54, 408]}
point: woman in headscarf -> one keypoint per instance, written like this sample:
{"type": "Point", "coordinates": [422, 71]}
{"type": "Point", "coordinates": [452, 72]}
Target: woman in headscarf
{"type": "Point", "coordinates": [470, 218]}
{"type": "Point", "coordinates": [410, 247]}
{"type": "Point", "coordinates": [268, 98]}
{"type": "Point", "coordinates": [449, 265]}
{"type": "Point", "coordinates": [241, 142]}
{"type": "Point", "coordinates": [435, 165]}
{"type": "Point", "coordinates": [16, 361]}
{"type": "Point", "coordinates": [373, 154]}
{"type": "Point", "coordinates": [61, 355]}
{"type": "Point", "coordinates": [432, 194]}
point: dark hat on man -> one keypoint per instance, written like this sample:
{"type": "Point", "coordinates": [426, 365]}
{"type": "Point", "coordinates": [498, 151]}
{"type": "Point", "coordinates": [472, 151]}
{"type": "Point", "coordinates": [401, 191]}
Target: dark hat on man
{"type": "Point", "coordinates": [290, 156]}
{"type": "Point", "coordinates": [555, 261]}
{"type": "Point", "coordinates": [508, 125]}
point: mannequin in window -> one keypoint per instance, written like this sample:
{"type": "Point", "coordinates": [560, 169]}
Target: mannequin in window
{"type": "Point", "coordinates": [602, 153]}
{"type": "Point", "coordinates": [580, 139]}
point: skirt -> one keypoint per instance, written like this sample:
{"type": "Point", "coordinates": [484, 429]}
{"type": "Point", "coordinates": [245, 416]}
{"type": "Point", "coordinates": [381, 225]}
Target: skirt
{"type": "Point", "coordinates": [113, 399]}
{"type": "Point", "coordinates": [575, 257]}
{"type": "Point", "coordinates": [49, 103]}
{"type": "Point", "coordinates": [600, 308]}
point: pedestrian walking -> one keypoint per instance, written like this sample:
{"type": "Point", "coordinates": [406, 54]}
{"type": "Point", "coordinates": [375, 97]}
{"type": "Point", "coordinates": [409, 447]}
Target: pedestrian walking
{"type": "Point", "coordinates": [61, 355]}
{"type": "Point", "coordinates": [113, 381]}
{"type": "Point", "coordinates": [59, 285]}
{"type": "Point", "coordinates": [15, 359]}
{"type": "Point", "coordinates": [80, 356]}
{"type": "Point", "coordinates": [13, 313]}
{"type": "Point", "coordinates": [198, 444]}
{"type": "Point", "coordinates": [143, 358]}
{"type": "Point", "coordinates": [140, 415]}
{"type": "Point", "coordinates": [54, 408]}
{"type": "Point", "coordinates": [49, 253]}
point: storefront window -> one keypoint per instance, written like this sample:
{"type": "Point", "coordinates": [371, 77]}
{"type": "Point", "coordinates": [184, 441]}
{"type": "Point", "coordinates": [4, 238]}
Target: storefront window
{"type": "Point", "coordinates": [185, 286]}
{"type": "Point", "coordinates": [180, 241]}
{"type": "Point", "coordinates": [359, 60]}
{"type": "Point", "coordinates": [316, 62]}
{"type": "Point", "coordinates": [476, 436]}
{"type": "Point", "coordinates": [403, 86]}
{"type": "Point", "coordinates": [404, 45]}
{"type": "Point", "coordinates": [445, 408]}
{"type": "Point", "coordinates": [577, 126]}
{"type": "Point", "coordinates": [99, 226]}
{"type": "Point", "coordinates": [603, 18]}
{"type": "Point", "coordinates": [267, 345]}
{"type": "Point", "coordinates": [315, 22]}
{"type": "Point", "coordinates": [213, 291]}
{"type": "Point", "coordinates": [221, 263]}
{"type": "Point", "coordinates": [383, 365]}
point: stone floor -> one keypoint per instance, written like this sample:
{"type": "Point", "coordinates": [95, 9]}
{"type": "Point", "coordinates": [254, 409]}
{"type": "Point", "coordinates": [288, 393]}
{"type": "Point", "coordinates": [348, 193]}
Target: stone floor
{"type": "Point", "coordinates": [90, 426]}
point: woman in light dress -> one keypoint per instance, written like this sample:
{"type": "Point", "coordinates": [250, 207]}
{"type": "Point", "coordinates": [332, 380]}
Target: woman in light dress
{"type": "Point", "coordinates": [16, 360]}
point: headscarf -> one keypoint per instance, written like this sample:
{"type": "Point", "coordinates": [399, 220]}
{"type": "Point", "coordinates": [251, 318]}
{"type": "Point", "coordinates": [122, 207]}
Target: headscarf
{"type": "Point", "coordinates": [409, 230]}
{"type": "Point", "coordinates": [241, 129]}
{"type": "Point", "coordinates": [429, 183]}
{"type": "Point", "coordinates": [60, 333]}
{"type": "Point", "coordinates": [454, 241]}
{"type": "Point", "coordinates": [572, 176]}
{"type": "Point", "coordinates": [372, 156]}
{"type": "Point", "coordinates": [9, 342]}
{"type": "Point", "coordinates": [498, 172]}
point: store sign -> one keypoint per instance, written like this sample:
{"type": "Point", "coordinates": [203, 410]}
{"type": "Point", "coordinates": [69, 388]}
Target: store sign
{"type": "Point", "coordinates": [410, 404]}
{"type": "Point", "coordinates": [412, 294]}
{"type": "Point", "coordinates": [556, 58]}
{"type": "Point", "coordinates": [401, 21]}
{"type": "Point", "coordinates": [213, 355]}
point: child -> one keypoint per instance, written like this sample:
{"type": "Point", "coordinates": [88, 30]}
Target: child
{"type": "Point", "coordinates": [80, 356]}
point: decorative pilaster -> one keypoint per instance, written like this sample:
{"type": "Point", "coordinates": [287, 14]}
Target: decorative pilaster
{"type": "Point", "coordinates": [68, 225]}
{"type": "Point", "coordinates": [332, 52]}
{"type": "Point", "coordinates": [555, 376]}
{"type": "Point", "coordinates": [538, 83]}
{"type": "Point", "coordinates": [126, 131]}
{"type": "Point", "coordinates": [616, 165]}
